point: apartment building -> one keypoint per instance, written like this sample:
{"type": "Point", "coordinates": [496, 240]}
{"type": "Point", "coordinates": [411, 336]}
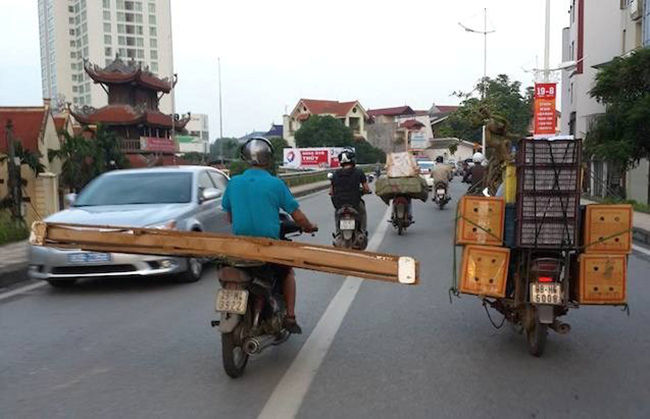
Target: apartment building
{"type": "Point", "coordinates": [598, 31]}
{"type": "Point", "coordinates": [73, 31]}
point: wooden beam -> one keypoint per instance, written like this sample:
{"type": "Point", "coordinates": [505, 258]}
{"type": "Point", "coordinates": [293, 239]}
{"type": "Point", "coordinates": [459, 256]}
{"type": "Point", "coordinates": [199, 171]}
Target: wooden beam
{"type": "Point", "coordinates": [378, 266]}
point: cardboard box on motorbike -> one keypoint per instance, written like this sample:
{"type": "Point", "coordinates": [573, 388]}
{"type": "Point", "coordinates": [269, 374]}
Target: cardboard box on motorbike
{"type": "Point", "coordinates": [402, 178]}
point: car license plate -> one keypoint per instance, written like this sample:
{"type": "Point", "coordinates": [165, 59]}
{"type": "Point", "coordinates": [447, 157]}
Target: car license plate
{"type": "Point", "coordinates": [82, 258]}
{"type": "Point", "coordinates": [441, 191]}
{"type": "Point", "coordinates": [545, 293]}
{"type": "Point", "coordinates": [232, 301]}
{"type": "Point", "coordinates": [347, 224]}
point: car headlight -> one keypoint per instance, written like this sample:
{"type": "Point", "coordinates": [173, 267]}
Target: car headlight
{"type": "Point", "coordinates": [167, 225]}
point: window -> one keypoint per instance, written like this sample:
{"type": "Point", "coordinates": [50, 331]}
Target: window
{"type": "Point", "coordinates": [74, 88]}
{"type": "Point", "coordinates": [73, 54]}
{"type": "Point", "coordinates": [153, 43]}
{"type": "Point", "coordinates": [130, 42]}
{"type": "Point", "coordinates": [80, 89]}
{"type": "Point", "coordinates": [71, 9]}
{"type": "Point", "coordinates": [219, 180]}
{"type": "Point", "coordinates": [107, 39]}
{"type": "Point", "coordinates": [152, 8]}
{"type": "Point", "coordinates": [71, 32]}
{"type": "Point", "coordinates": [128, 5]}
{"type": "Point", "coordinates": [152, 19]}
{"type": "Point", "coordinates": [121, 28]}
{"type": "Point", "coordinates": [140, 53]}
{"type": "Point", "coordinates": [71, 20]}
{"type": "Point", "coordinates": [73, 44]}
{"type": "Point", "coordinates": [107, 27]}
{"type": "Point", "coordinates": [139, 30]}
{"type": "Point", "coordinates": [154, 54]}
{"type": "Point", "coordinates": [75, 100]}
{"type": "Point", "coordinates": [86, 49]}
{"type": "Point", "coordinates": [121, 40]}
{"type": "Point", "coordinates": [120, 4]}
{"type": "Point", "coordinates": [138, 7]}
{"type": "Point", "coordinates": [204, 182]}
{"type": "Point", "coordinates": [138, 18]}
{"type": "Point", "coordinates": [108, 51]}
{"type": "Point", "coordinates": [73, 66]}
{"type": "Point", "coordinates": [109, 61]}
{"type": "Point", "coordinates": [152, 31]}
{"type": "Point", "coordinates": [120, 17]}
{"type": "Point", "coordinates": [74, 77]}
{"type": "Point", "coordinates": [130, 53]}
{"type": "Point", "coordinates": [107, 4]}
{"type": "Point", "coordinates": [154, 67]}
{"type": "Point", "coordinates": [88, 100]}
{"type": "Point", "coordinates": [139, 42]}
{"type": "Point", "coordinates": [123, 52]}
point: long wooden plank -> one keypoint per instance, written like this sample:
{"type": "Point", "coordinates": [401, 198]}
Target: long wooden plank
{"type": "Point", "coordinates": [383, 267]}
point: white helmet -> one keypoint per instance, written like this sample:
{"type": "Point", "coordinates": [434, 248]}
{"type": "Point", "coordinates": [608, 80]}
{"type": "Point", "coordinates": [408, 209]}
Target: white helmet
{"type": "Point", "coordinates": [477, 157]}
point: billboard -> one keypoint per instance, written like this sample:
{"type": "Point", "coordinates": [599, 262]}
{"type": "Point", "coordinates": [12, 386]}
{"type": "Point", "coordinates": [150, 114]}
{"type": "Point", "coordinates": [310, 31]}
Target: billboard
{"type": "Point", "coordinates": [544, 118]}
{"type": "Point", "coordinates": [311, 158]}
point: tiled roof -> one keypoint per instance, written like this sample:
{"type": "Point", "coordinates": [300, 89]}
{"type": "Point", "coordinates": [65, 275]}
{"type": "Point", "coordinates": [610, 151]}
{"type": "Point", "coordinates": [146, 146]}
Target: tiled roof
{"type": "Point", "coordinates": [399, 110]}
{"type": "Point", "coordinates": [59, 122]}
{"type": "Point", "coordinates": [320, 107]}
{"type": "Point", "coordinates": [412, 124]}
{"type": "Point", "coordinates": [446, 108]}
{"type": "Point", "coordinates": [28, 122]}
{"type": "Point", "coordinates": [275, 131]}
{"type": "Point", "coordinates": [126, 115]}
{"type": "Point", "coordinates": [120, 72]}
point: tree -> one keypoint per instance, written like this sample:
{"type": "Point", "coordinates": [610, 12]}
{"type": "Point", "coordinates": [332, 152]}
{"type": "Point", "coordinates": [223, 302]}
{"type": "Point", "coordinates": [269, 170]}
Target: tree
{"type": "Point", "coordinates": [503, 99]}
{"type": "Point", "coordinates": [27, 158]}
{"type": "Point", "coordinates": [230, 148]}
{"type": "Point", "coordinates": [622, 134]}
{"type": "Point", "coordinates": [194, 158]}
{"type": "Point", "coordinates": [327, 131]}
{"type": "Point", "coordinates": [453, 147]}
{"type": "Point", "coordinates": [83, 159]}
{"type": "Point", "coordinates": [279, 144]}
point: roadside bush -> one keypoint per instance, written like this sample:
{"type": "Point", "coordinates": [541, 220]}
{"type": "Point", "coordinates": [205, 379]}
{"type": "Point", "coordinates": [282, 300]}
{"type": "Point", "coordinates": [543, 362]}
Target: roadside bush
{"type": "Point", "coordinates": [10, 230]}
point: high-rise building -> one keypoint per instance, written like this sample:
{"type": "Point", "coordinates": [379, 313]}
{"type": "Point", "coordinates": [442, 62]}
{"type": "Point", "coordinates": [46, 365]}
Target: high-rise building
{"type": "Point", "coordinates": [72, 31]}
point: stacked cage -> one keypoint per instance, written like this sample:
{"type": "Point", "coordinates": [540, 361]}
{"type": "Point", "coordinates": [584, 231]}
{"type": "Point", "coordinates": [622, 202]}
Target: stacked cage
{"type": "Point", "coordinates": [548, 194]}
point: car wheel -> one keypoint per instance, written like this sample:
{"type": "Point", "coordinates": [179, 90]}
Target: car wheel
{"type": "Point", "coordinates": [193, 272]}
{"type": "Point", "coordinates": [62, 283]}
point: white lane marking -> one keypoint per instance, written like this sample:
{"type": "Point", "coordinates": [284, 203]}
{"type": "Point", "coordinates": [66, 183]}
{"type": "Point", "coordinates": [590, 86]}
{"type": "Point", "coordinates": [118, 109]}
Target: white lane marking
{"type": "Point", "coordinates": [641, 249]}
{"type": "Point", "coordinates": [286, 399]}
{"type": "Point", "coordinates": [22, 290]}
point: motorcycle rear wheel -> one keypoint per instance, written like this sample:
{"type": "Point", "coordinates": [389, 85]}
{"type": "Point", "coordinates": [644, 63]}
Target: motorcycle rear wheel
{"type": "Point", "coordinates": [234, 358]}
{"type": "Point", "coordinates": [536, 337]}
{"type": "Point", "coordinates": [400, 230]}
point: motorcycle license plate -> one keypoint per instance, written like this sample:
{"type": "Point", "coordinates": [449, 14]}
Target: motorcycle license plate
{"type": "Point", "coordinates": [545, 293]}
{"type": "Point", "coordinates": [346, 224]}
{"type": "Point", "coordinates": [441, 191]}
{"type": "Point", "coordinates": [232, 301]}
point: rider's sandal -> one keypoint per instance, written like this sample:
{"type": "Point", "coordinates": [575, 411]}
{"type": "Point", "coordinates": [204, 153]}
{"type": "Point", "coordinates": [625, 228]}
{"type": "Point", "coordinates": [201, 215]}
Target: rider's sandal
{"type": "Point", "coordinates": [291, 325]}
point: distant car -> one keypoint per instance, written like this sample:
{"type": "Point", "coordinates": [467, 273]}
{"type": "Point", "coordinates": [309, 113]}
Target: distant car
{"type": "Point", "coordinates": [426, 166]}
{"type": "Point", "coordinates": [180, 198]}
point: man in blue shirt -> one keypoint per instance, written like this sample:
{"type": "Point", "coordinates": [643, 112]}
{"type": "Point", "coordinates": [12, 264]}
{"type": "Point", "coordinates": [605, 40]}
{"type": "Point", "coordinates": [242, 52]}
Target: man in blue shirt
{"type": "Point", "coordinates": [253, 202]}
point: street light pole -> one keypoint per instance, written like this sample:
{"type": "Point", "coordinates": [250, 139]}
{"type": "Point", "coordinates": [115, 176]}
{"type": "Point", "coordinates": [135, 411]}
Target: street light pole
{"type": "Point", "coordinates": [547, 44]}
{"type": "Point", "coordinates": [220, 115]}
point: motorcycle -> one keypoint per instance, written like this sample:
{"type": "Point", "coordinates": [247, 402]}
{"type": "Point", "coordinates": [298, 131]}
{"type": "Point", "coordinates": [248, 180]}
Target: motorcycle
{"type": "Point", "coordinates": [440, 197]}
{"type": "Point", "coordinates": [348, 229]}
{"type": "Point", "coordinates": [401, 218]}
{"type": "Point", "coordinates": [539, 295]}
{"type": "Point", "coordinates": [252, 308]}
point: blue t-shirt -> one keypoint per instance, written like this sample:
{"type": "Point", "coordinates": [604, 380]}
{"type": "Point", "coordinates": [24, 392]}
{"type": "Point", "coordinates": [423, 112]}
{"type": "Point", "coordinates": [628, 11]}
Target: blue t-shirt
{"type": "Point", "coordinates": [254, 199]}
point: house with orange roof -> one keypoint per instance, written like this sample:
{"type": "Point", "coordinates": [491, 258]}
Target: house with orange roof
{"type": "Point", "coordinates": [351, 114]}
{"type": "Point", "coordinates": [35, 129]}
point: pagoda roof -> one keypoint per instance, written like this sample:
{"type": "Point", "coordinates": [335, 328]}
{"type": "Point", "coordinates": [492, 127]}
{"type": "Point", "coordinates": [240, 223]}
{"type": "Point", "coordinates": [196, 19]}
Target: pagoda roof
{"type": "Point", "coordinates": [127, 115]}
{"type": "Point", "coordinates": [121, 72]}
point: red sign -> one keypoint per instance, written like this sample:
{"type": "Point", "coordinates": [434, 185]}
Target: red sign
{"type": "Point", "coordinates": [314, 158]}
{"type": "Point", "coordinates": [545, 119]}
{"type": "Point", "coordinates": [165, 145]}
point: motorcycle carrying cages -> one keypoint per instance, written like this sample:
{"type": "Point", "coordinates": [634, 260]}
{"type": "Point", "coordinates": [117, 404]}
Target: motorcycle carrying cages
{"type": "Point", "coordinates": [414, 187]}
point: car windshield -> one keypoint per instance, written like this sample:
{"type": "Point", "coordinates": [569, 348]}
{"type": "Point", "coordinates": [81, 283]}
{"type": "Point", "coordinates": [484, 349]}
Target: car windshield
{"type": "Point", "coordinates": [137, 188]}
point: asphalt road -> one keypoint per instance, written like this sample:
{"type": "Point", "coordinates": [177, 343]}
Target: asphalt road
{"type": "Point", "coordinates": [144, 348]}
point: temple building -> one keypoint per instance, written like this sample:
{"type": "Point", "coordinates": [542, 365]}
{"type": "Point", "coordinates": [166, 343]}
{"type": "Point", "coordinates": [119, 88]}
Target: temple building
{"type": "Point", "coordinates": [132, 114]}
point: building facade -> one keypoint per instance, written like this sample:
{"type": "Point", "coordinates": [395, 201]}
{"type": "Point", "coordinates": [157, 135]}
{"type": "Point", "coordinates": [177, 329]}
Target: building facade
{"type": "Point", "coordinates": [73, 31]}
{"type": "Point", "coordinates": [352, 114]}
{"type": "Point", "coordinates": [599, 30]}
{"type": "Point", "coordinates": [198, 138]}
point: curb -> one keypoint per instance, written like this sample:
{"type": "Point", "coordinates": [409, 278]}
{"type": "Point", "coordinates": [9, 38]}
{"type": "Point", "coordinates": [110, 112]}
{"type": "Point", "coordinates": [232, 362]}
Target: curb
{"type": "Point", "coordinates": [14, 274]}
{"type": "Point", "coordinates": [308, 191]}
{"type": "Point", "coordinates": [640, 235]}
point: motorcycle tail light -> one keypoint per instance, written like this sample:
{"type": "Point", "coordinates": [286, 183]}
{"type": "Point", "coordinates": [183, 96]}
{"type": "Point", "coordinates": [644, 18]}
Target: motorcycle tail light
{"type": "Point", "coordinates": [545, 279]}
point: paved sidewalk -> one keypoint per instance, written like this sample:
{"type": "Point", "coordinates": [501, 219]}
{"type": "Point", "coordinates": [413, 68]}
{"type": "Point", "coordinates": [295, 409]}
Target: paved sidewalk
{"type": "Point", "coordinates": [641, 225]}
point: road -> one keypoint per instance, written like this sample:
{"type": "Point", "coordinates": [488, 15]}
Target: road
{"type": "Point", "coordinates": [144, 348]}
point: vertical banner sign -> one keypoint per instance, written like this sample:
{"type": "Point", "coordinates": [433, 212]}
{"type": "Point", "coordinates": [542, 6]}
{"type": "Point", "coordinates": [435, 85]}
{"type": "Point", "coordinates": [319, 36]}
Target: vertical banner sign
{"type": "Point", "coordinates": [545, 119]}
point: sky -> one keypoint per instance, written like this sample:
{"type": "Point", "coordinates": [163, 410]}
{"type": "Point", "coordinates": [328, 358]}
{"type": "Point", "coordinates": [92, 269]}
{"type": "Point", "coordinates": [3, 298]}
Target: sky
{"type": "Point", "coordinates": [273, 53]}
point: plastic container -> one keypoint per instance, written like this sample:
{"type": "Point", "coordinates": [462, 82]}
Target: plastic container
{"type": "Point", "coordinates": [481, 220]}
{"type": "Point", "coordinates": [602, 221]}
{"type": "Point", "coordinates": [602, 279]}
{"type": "Point", "coordinates": [484, 271]}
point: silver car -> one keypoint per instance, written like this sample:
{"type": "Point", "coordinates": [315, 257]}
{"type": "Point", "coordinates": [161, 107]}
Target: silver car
{"type": "Point", "coordinates": [183, 198]}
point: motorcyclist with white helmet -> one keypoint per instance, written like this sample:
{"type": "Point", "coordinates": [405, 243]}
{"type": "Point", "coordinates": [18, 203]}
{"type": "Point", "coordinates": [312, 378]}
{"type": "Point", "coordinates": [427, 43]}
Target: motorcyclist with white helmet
{"type": "Point", "coordinates": [349, 183]}
{"type": "Point", "coordinates": [475, 176]}
{"type": "Point", "coordinates": [253, 201]}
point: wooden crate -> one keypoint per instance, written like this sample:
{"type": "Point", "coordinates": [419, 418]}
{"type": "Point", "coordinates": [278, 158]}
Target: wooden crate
{"type": "Point", "coordinates": [602, 279]}
{"type": "Point", "coordinates": [484, 271]}
{"type": "Point", "coordinates": [486, 212]}
{"type": "Point", "coordinates": [603, 221]}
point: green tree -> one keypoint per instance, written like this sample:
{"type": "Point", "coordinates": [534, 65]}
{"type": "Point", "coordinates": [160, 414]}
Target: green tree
{"type": "Point", "coordinates": [279, 144]}
{"type": "Point", "coordinates": [230, 148]}
{"type": "Point", "coordinates": [194, 158]}
{"type": "Point", "coordinates": [453, 147]}
{"type": "Point", "coordinates": [27, 158]}
{"type": "Point", "coordinates": [503, 98]}
{"type": "Point", "coordinates": [622, 134]}
{"type": "Point", "coordinates": [83, 159]}
{"type": "Point", "coordinates": [327, 131]}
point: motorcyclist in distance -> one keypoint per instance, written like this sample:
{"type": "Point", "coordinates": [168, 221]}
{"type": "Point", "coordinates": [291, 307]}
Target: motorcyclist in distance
{"type": "Point", "coordinates": [349, 183]}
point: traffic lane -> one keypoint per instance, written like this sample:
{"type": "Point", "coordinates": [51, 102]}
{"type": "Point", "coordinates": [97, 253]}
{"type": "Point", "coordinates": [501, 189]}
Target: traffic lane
{"type": "Point", "coordinates": [139, 348]}
{"type": "Point", "coordinates": [407, 352]}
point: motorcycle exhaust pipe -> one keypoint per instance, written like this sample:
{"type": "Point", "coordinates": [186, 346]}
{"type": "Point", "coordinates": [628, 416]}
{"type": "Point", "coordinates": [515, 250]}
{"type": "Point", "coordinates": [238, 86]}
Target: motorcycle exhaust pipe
{"type": "Point", "coordinates": [560, 327]}
{"type": "Point", "coordinates": [257, 344]}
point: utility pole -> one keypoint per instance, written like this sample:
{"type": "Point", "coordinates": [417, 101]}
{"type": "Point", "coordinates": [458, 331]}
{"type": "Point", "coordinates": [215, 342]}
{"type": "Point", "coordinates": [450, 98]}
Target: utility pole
{"type": "Point", "coordinates": [14, 184]}
{"type": "Point", "coordinates": [220, 115]}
